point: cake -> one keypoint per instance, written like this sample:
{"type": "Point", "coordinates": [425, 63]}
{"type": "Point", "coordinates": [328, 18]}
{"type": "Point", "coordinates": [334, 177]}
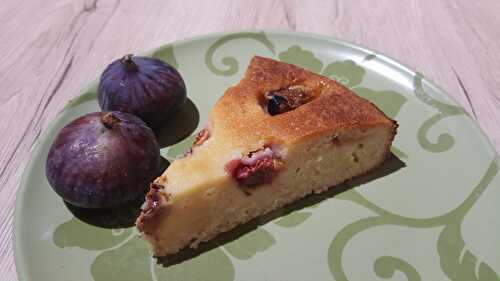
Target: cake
{"type": "Point", "coordinates": [280, 134]}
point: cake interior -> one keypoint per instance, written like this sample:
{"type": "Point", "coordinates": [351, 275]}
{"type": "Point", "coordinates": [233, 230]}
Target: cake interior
{"type": "Point", "coordinates": [198, 212]}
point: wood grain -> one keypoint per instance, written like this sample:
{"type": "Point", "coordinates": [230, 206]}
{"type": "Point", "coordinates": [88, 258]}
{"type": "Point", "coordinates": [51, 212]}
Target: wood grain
{"type": "Point", "coordinates": [51, 49]}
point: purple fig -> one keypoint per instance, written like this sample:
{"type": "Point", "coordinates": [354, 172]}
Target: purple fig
{"type": "Point", "coordinates": [146, 87]}
{"type": "Point", "coordinates": [103, 159]}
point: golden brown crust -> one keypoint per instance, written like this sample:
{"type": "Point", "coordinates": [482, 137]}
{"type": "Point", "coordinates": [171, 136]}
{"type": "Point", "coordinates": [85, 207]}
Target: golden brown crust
{"type": "Point", "coordinates": [244, 119]}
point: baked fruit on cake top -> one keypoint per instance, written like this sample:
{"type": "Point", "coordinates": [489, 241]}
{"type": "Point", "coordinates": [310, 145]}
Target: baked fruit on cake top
{"type": "Point", "coordinates": [281, 133]}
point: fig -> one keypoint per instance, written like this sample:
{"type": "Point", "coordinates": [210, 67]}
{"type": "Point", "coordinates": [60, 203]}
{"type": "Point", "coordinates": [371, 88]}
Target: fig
{"type": "Point", "coordinates": [103, 159]}
{"type": "Point", "coordinates": [146, 87]}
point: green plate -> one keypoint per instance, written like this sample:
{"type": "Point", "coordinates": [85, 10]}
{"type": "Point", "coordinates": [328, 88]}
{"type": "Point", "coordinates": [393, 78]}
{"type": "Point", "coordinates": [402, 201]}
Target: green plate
{"type": "Point", "coordinates": [431, 213]}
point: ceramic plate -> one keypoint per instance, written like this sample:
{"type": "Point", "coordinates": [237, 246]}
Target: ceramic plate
{"type": "Point", "coordinates": [430, 213]}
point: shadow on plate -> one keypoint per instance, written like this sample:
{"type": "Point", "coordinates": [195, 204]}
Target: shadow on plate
{"type": "Point", "coordinates": [179, 126]}
{"type": "Point", "coordinates": [117, 217]}
{"type": "Point", "coordinates": [390, 166]}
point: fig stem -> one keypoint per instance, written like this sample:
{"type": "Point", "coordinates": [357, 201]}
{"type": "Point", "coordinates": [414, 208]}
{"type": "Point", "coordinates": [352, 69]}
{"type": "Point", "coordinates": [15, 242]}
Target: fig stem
{"type": "Point", "coordinates": [109, 120]}
{"type": "Point", "coordinates": [129, 63]}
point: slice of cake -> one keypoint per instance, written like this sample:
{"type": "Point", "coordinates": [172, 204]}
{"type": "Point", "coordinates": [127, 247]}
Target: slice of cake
{"type": "Point", "coordinates": [280, 134]}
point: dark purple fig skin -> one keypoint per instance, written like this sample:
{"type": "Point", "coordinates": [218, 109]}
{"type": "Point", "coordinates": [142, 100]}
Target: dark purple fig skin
{"type": "Point", "coordinates": [93, 165]}
{"type": "Point", "coordinates": [146, 87]}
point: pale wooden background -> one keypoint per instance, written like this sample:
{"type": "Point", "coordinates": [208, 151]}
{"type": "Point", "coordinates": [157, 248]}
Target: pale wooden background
{"type": "Point", "coordinates": [49, 49]}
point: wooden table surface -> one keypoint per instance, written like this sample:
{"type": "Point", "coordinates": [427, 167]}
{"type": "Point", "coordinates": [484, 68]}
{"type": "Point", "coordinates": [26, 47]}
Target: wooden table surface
{"type": "Point", "coordinates": [51, 49]}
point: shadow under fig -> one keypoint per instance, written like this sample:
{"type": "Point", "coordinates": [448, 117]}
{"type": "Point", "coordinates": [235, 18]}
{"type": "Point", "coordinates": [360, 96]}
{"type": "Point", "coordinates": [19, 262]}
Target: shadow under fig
{"type": "Point", "coordinates": [118, 217]}
{"type": "Point", "coordinates": [391, 165]}
{"type": "Point", "coordinates": [179, 126]}
{"type": "Point", "coordinates": [121, 216]}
